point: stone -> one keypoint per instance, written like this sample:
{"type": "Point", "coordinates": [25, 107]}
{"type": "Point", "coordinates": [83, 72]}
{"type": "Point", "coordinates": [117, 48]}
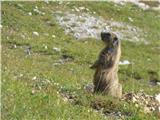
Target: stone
{"type": "Point", "coordinates": [34, 78]}
{"type": "Point", "coordinates": [45, 47]}
{"type": "Point", "coordinates": [29, 13]}
{"type": "Point", "coordinates": [89, 88]}
{"type": "Point", "coordinates": [56, 49]}
{"type": "Point", "coordinates": [134, 99]}
{"type": "Point", "coordinates": [157, 97]}
{"type": "Point", "coordinates": [146, 110]}
{"type": "Point", "coordinates": [125, 62]}
{"type": "Point", "coordinates": [53, 36]}
{"type": "Point", "coordinates": [1, 26]}
{"type": "Point", "coordinates": [35, 33]}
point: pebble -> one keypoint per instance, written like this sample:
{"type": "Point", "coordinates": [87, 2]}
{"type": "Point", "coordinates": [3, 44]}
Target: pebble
{"type": "Point", "coordinates": [82, 8]}
{"type": "Point", "coordinates": [34, 78]}
{"type": "Point", "coordinates": [130, 19]}
{"type": "Point", "coordinates": [35, 33]}
{"type": "Point", "coordinates": [45, 47]}
{"type": "Point", "coordinates": [23, 36]}
{"type": "Point", "coordinates": [87, 9]}
{"type": "Point", "coordinates": [33, 91]}
{"type": "Point", "coordinates": [134, 99]}
{"type": "Point", "coordinates": [136, 105]}
{"type": "Point", "coordinates": [158, 83]}
{"type": "Point", "coordinates": [27, 50]}
{"type": "Point", "coordinates": [14, 46]}
{"type": "Point", "coordinates": [60, 2]}
{"type": "Point", "coordinates": [53, 36]}
{"type": "Point", "coordinates": [1, 26]}
{"type": "Point", "coordinates": [146, 110]}
{"type": "Point", "coordinates": [29, 13]}
{"type": "Point", "coordinates": [56, 49]}
{"type": "Point", "coordinates": [125, 62]}
{"type": "Point", "coordinates": [20, 5]}
{"type": "Point", "coordinates": [157, 97]}
{"type": "Point", "coordinates": [36, 7]}
{"type": "Point", "coordinates": [21, 75]}
{"type": "Point", "coordinates": [46, 1]}
{"type": "Point", "coordinates": [76, 9]}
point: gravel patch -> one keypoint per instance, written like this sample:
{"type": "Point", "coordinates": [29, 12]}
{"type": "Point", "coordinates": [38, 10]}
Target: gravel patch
{"type": "Point", "coordinates": [84, 25]}
{"type": "Point", "coordinates": [140, 3]}
{"type": "Point", "coordinates": [149, 103]}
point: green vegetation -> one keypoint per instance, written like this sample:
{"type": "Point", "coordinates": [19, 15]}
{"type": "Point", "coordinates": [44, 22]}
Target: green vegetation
{"type": "Point", "coordinates": [29, 82]}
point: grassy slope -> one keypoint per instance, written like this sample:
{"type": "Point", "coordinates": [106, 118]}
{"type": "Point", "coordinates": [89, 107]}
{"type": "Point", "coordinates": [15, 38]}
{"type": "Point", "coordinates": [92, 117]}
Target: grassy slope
{"type": "Point", "coordinates": [18, 100]}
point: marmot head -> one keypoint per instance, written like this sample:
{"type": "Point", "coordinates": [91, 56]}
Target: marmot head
{"type": "Point", "coordinates": [110, 39]}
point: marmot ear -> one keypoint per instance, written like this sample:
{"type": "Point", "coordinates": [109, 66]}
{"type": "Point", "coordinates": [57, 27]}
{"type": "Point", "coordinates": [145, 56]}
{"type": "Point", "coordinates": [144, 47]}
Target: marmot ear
{"type": "Point", "coordinates": [105, 35]}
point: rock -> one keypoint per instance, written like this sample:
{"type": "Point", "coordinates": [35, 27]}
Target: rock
{"type": "Point", "coordinates": [87, 9]}
{"type": "Point", "coordinates": [154, 82]}
{"type": "Point", "coordinates": [34, 78]}
{"type": "Point", "coordinates": [20, 5]}
{"type": "Point", "coordinates": [158, 83]}
{"type": "Point", "coordinates": [136, 105]}
{"type": "Point", "coordinates": [33, 92]}
{"type": "Point", "coordinates": [29, 13]}
{"type": "Point", "coordinates": [147, 110]}
{"type": "Point", "coordinates": [89, 88]}
{"type": "Point", "coordinates": [56, 49]}
{"type": "Point", "coordinates": [46, 1]}
{"type": "Point", "coordinates": [53, 36]}
{"type": "Point", "coordinates": [82, 8]}
{"type": "Point", "coordinates": [27, 50]}
{"type": "Point", "coordinates": [76, 9]}
{"type": "Point", "coordinates": [60, 2]}
{"type": "Point", "coordinates": [21, 75]}
{"type": "Point", "coordinates": [36, 7]}
{"type": "Point", "coordinates": [45, 47]}
{"type": "Point", "coordinates": [56, 64]}
{"type": "Point", "coordinates": [134, 99]}
{"type": "Point", "coordinates": [23, 36]}
{"type": "Point", "coordinates": [157, 97]}
{"type": "Point", "coordinates": [1, 26]}
{"type": "Point", "coordinates": [35, 33]}
{"type": "Point", "coordinates": [158, 111]}
{"type": "Point", "coordinates": [36, 10]}
{"type": "Point", "coordinates": [125, 62]}
{"type": "Point", "coordinates": [14, 46]}
{"type": "Point", "coordinates": [72, 10]}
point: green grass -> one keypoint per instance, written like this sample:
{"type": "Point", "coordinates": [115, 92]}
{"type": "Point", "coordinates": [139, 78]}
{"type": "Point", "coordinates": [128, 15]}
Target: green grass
{"type": "Point", "coordinates": [18, 69]}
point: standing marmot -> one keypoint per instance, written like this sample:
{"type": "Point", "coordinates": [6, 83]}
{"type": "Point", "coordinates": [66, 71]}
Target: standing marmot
{"type": "Point", "coordinates": [106, 78]}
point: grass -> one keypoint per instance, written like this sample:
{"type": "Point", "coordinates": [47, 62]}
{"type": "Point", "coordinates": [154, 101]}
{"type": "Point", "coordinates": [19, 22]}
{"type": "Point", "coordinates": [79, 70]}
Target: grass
{"type": "Point", "coordinates": [24, 97]}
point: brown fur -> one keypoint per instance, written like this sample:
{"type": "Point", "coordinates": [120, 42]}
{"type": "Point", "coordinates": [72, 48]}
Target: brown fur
{"type": "Point", "coordinates": [106, 78]}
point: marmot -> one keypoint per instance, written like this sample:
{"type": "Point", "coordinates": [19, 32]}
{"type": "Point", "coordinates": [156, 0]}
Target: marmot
{"type": "Point", "coordinates": [106, 78]}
